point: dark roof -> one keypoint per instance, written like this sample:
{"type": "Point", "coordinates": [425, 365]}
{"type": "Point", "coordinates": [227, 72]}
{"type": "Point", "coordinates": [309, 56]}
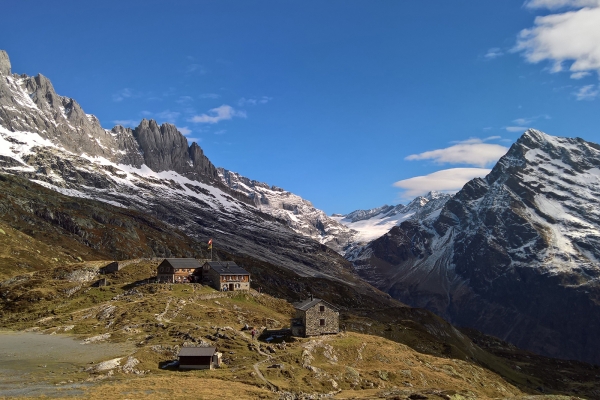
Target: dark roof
{"type": "Point", "coordinates": [227, 268]}
{"type": "Point", "coordinates": [197, 351]}
{"type": "Point", "coordinates": [306, 304]}
{"type": "Point", "coordinates": [182, 262]}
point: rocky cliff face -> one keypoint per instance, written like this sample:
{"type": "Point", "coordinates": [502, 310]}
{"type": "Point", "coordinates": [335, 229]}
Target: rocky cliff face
{"type": "Point", "coordinates": [48, 139]}
{"type": "Point", "coordinates": [165, 149]}
{"type": "Point", "coordinates": [515, 254]}
{"type": "Point", "coordinates": [297, 212]}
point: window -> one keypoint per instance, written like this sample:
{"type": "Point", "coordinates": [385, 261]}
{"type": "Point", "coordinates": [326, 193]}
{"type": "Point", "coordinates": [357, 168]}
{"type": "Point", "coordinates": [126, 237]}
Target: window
{"type": "Point", "coordinates": [322, 308]}
{"type": "Point", "coordinates": [322, 322]}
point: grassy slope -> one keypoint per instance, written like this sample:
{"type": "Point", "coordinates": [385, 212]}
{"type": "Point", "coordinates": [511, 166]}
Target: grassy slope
{"type": "Point", "coordinates": [158, 318]}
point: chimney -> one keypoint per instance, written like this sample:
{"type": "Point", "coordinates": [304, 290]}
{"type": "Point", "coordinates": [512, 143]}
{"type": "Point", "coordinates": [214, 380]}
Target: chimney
{"type": "Point", "coordinates": [311, 297]}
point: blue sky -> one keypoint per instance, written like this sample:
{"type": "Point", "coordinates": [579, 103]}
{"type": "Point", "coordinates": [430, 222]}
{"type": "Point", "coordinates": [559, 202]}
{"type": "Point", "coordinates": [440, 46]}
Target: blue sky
{"type": "Point", "coordinates": [350, 104]}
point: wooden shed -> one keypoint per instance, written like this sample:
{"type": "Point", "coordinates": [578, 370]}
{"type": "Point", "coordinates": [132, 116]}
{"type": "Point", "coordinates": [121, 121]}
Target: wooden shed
{"type": "Point", "coordinates": [315, 317]}
{"type": "Point", "coordinates": [199, 358]}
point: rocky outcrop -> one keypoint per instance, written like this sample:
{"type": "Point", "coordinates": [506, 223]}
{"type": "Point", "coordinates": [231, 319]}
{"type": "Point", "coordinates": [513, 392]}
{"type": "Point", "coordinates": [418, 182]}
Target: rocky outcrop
{"type": "Point", "coordinates": [298, 213]}
{"type": "Point", "coordinates": [515, 254]}
{"type": "Point", "coordinates": [4, 63]}
{"type": "Point", "coordinates": [166, 149]}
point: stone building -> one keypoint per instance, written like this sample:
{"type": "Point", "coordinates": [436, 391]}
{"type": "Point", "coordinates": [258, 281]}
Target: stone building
{"type": "Point", "coordinates": [315, 317]}
{"type": "Point", "coordinates": [225, 275]}
{"type": "Point", "coordinates": [177, 270]}
{"type": "Point", "coordinates": [110, 268]}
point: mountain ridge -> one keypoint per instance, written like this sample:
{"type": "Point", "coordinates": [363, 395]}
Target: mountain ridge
{"type": "Point", "coordinates": [514, 254]}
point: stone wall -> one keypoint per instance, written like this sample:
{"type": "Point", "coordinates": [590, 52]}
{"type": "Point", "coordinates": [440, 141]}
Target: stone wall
{"type": "Point", "coordinates": [313, 317]}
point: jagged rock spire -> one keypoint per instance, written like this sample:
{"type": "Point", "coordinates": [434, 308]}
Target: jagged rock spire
{"type": "Point", "coordinates": [4, 63]}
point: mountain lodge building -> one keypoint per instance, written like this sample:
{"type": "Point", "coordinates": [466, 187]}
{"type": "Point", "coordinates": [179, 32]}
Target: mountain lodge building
{"type": "Point", "coordinates": [177, 270]}
{"type": "Point", "coordinates": [315, 317]}
{"type": "Point", "coordinates": [225, 276]}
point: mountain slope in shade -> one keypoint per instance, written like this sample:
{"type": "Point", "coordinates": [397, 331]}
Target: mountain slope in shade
{"type": "Point", "coordinates": [374, 223]}
{"type": "Point", "coordinates": [515, 254]}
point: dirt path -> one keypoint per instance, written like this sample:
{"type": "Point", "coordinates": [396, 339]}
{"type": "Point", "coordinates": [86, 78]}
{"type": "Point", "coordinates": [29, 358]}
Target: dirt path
{"type": "Point", "coordinates": [262, 377]}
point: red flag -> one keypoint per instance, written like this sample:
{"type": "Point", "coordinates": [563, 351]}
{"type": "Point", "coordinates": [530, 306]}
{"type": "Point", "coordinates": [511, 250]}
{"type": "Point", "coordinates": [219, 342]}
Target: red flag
{"type": "Point", "coordinates": [210, 243]}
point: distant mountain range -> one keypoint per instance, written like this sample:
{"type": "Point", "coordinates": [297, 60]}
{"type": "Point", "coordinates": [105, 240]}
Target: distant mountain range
{"type": "Point", "coordinates": [515, 254]}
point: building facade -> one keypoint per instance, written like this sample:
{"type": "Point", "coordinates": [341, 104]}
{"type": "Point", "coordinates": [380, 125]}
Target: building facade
{"type": "Point", "coordinates": [177, 270]}
{"type": "Point", "coordinates": [199, 358]}
{"type": "Point", "coordinates": [315, 317]}
{"type": "Point", "coordinates": [225, 276]}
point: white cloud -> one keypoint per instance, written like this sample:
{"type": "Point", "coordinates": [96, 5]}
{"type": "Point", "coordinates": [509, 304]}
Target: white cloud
{"type": "Point", "coordinates": [572, 36]}
{"type": "Point", "coordinates": [254, 101]}
{"type": "Point", "coordinates": [516, 128]}
{"type": "Point", "coordinates": [492, 53]}
{"type": "Point", "coordinates": [579, 75]}
{"type": "Point", "coordinates": [184, 99]}
{"type": "Point", "coordinates": [184, 130]}
{"type": "Point", "coordinates": [127, 122]}
{"type": "Point", "coordinates": [122, 94]}
{"type": "Point", "coordinates": [472, 152]}
{"type": "Point", "coordinates": [588, 92]}
{"type": "Point", "coordinates": [522, 121]}
{"type": "Point", "coordinates": [476, 140]}
{"type": "Point", "coordinates": [168, 116]}
{"type": "Point", "coordinates": [556, 4]}
{"type": "Point", "coordinates": [215, 115]}
{"type": "Point", "coordinates": [447, 180]}
{"type": "Point", "coordinates": [209, 96]}
{"type": "Point", "coordinates": [220, 132]}
{"type": "Point", "coordinates": [195, 68]}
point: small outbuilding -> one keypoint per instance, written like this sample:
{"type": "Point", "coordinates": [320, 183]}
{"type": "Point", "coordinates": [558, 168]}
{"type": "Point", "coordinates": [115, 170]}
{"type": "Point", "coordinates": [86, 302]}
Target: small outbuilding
{"type": "Point", "coordinates": [110, 268]}
{"type": "Point", "coordinates": [177, 270]}
{"type": "Point", "coordinates": [199, 358]}
{"type": "Point", "coordinates": [225, 275]}
{"type": "Point", "coordinates": [315, 317]}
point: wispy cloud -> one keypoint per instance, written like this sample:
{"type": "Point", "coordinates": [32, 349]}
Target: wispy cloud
{"type": "Point", "coordinates": [185, 99]}
{"type": "Point", "coordinates": [472, 151]}
{"type": "Point", "coordinates": [492, 53]}
{"type": "Point", "coordinates": [522, 121]}
{"type": "Point", "coordinates": [185, 131]}
{"type": "Point", "coordinates": [209, 96]}
{"type": "Point", "coordinates": [122, 95]}
{"type": "Point", "coordinates": [220, 132]}
{"type": "Point", "coordinates": [556, 4]}
{"type": "Point", "coordinates": [195, 69]}
{"type": "Point", "coordinates": [127, 122]}
{"type": "Point", "coordinates": [588, 92]}
{"type": "Point", "coordinates": [476, 140]}
{"type": "Point", "coordinates": [447, 180]}
{"type": "Point", "coordinates": [516, 128]}
{"type": "Point", "coordinates": [571, 36]}
{"type": "Point", "coordinates": [215, 115]}
{"type": "Point", "coordinates": [168, 116]}
{"type": "Point", "coordinates": [579, 75]}
{"type": "Point", "coordinates": [254, 101]}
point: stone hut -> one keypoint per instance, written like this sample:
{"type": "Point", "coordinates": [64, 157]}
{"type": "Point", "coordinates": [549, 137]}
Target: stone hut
{"type": "Point", "coordinates": [225, 275]}
{"type": "Point", "coordinates": [315, 317]}
{"type": "Point", "coordinates": [110, 268]}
